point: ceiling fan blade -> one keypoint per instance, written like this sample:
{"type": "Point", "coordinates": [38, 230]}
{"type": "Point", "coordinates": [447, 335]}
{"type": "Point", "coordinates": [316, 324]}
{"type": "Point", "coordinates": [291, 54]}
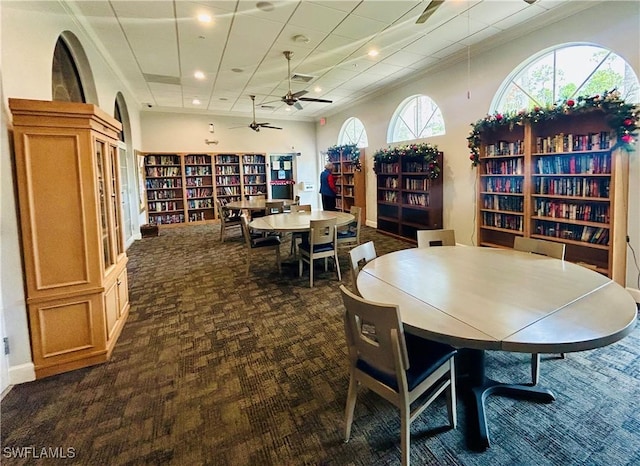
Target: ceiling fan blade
{"type": "Point", "coordinates": [270, 127]}
{"type": "Point", "coordinates": [297, 105]}
{"type": "Point", "coordinates": [299, 94]}
{"type": "Point", "coordinates": [429, 10]}
{"type": "Point", "coordinates": [311, 99]}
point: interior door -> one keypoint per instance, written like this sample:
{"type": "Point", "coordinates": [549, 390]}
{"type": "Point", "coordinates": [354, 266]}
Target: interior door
{"type": "Point", "coordinates": [282, 175]}
{"type": "Point", "coordinates": [125, 197]}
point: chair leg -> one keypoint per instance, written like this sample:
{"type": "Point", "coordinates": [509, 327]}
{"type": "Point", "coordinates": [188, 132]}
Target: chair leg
{"type": "Point", "coordinates": [248, 264]}
{"type": "Point", "coordinates": [337, 261]}
{"type": "Point", "coordinates": [451, 396]}
{"type": "Point", "coordinates": [221, 232]}
{"type": "Point", "coordinates": [352, 395]}
{"type": "Point", "coordinates": [278, 260]}
{"type": "Point", "coordinates": [405, 432]}
{"type": "Point", "coordinates": [310, 272]}
{"type": "Point", "coordinates": [300, 266]}
{"type": "Point", "coordinates": [535, 368]}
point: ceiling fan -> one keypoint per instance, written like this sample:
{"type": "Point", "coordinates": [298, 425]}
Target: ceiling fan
{"type": "Point", "coordinates": [291, 98]}
{"type": "Point", "coordinates": [431, 8]}
{"type": "Point", "coordinates": [253, 125]}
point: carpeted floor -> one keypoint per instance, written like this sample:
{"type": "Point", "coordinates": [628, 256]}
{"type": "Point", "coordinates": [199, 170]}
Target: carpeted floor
{"type": "Point", "coordinates": [217, 368]}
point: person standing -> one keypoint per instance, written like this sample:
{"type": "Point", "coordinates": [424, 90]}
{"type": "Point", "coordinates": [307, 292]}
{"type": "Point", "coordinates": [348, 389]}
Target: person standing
{"type": "Point", "coordinates": [328, 187]}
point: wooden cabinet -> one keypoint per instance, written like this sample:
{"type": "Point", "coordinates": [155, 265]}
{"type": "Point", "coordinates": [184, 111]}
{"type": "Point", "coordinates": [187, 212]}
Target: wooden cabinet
{"type": "Point", "coordinates": [408, 199]}
{"type": "Point", "coordinates": [67, 171]}
{"type": "Point", "coordinates": [181, 188]}
{"type": "Point", "coordinates": [350, 182]}
{"type": "Point", "coordinates": [558, 180]}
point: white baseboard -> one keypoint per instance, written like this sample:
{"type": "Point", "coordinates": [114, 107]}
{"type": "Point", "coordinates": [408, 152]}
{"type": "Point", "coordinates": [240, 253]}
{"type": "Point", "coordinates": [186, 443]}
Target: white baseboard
{"type": "Point", "coordinates": [22, 373]}
{"type": "Point", "coordinates": [371, 224]}
{"type": "Point", "coordinates": [635, 293]}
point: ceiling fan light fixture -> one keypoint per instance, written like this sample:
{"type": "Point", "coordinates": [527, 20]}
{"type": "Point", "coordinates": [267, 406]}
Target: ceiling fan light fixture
{"type": "Point", "coordinates": [265, 6]}
{"type": "Point", "coordinates": [237, 70]}
{"type": "Point", "coordinates": [300, 38]}
{"type": "Point", "coordinates": [531, 2]}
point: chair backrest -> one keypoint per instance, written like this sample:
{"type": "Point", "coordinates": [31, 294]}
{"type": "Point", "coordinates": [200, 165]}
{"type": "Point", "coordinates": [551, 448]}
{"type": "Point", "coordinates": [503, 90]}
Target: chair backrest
{"type": "Point", "coordinates": [322, 232]}
{"type": "Point", "coordinates": [273, 207]}
{"type": "Point", "coordinates": [362, 253]}
{"type": "Point", "coordinates": [429, 238]}
{"type": "Point", "coordinates": [301, 208]}
{"type": "Point", "coordinates": [539, 246]}
{"type": "Point", "coordinates": [357, 213]}
{"type": "Point", "coordinates": [373, 332]}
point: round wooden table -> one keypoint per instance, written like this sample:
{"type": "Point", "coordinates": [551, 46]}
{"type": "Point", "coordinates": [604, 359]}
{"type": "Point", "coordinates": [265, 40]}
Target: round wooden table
{"type": "Point", "coordinates": [499, 299]}
{"type": "Point", "coordinates": [298, 221]}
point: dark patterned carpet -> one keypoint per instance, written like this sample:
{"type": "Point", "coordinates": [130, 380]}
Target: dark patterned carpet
{"type": "Point", "coordinates": [217, 368]}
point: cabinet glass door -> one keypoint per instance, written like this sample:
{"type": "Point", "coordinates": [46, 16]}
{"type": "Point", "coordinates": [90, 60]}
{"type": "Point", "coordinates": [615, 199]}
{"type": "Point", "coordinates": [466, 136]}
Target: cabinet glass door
{"type": "Point", "coordinates": [116, 206]}
{"type": "Point", "coordinates": [100, 158]}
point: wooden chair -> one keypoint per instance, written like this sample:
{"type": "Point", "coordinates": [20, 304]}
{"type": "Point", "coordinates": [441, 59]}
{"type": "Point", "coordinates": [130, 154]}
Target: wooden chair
{"type": "Point", "coordinates": [273, 207]}
{"type": "Point", "coordinates": [262, 242]}
{"type": "Point", "coordinates": [544, 248]}
{"type": "Point", "coordinates": [297, 235]}
{"type": "Point", "coordinates": [320, 243]}
{"type": "Point", "coordinates": [361, 254]}
{"type": "Point", "coordinates": [228, 219]}
{"type": "Point", "coordinates": [428, 238]}
{"type": "Point", "coordinates": [349, 236]}
{"type": "Point", "coordinates": [398, 366]}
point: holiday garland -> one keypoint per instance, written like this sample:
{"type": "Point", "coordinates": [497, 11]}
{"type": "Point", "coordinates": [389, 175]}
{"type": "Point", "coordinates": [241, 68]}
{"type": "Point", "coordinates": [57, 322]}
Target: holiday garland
{"type": "Point", "coordinates": [350, 151]}
{"type": "Point", "coordinates": [425, 152]}
{"type": "Point", "coordinates": [623, 118]}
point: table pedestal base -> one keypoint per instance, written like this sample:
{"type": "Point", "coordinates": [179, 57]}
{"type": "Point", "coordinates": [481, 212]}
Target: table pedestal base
{"type": "Point", "coordinates": [479, 387]}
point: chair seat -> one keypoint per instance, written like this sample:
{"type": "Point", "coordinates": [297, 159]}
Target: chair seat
{"type": "Point", "coordinates": [346, 234]}
{"type": "Point", "coordinates": [425, 357]}
{"type": "Point", "coordinates": [264, 241]}
{"type": "Point", "coordinates": [317, 248]}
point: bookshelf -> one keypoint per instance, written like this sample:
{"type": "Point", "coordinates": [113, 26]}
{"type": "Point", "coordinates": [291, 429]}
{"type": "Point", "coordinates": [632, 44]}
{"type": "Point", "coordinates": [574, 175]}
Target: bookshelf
{"type": "Point", "coordinates": [182, 187]}
{"type": "Point", "coordinates": [558, 180]}
{"type": "Point", "coordinates": [350, 182]}
{"type": "Point", "coordinates": [67, 169]}
{"type": "Point", "coordinates": [408, 200]}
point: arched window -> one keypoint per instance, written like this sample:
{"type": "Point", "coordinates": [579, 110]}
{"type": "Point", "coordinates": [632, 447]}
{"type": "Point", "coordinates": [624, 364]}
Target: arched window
{"type": "Point", "coordinates": [565, 72]}
{"type": "Point", "coordinates": [353, 132]}
{"type": "Point", "coordinates": [66, 83]}
{"type": "Point", "coordinates": [418, 117]}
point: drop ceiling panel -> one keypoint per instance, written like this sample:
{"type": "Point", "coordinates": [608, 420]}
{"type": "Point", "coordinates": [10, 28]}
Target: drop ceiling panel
{"type": "Point", "coordinates": [314, 17]}
{"type": "Point", "coordinates": [385, 11]}
{"type": "Point", "coordinates": [357, 28]}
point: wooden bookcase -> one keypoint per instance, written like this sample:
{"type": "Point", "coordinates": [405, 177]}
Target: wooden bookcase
{"type": "Point", "coordinates": [556, 180]}
{"type": "Point", "coordinates": [67, 171]}
{"type": "Point", "coordinates": [182, 187]}
{"type": "Point", "coordinates": [408, 200]}
{"type": "Point", "coordinates": [350, 183]}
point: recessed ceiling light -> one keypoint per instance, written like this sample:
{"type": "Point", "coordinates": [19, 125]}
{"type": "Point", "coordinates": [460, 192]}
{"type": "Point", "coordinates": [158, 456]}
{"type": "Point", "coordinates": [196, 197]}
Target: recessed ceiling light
{"type": "Point", "coordinates": [237, 70]}
{"type": "Point", "coordinates": [373, 53]}
{"type": "Point", "coordinates": [204, 18]}
{"type": "Point", "coordinates": [287, 109]}
{"type": "Point", "coordinates": [317, 89]}
{"type": "Point", "coordinates": [198, 75]}
{"type": "Point", "coordinates": [223, 98]}
{"type": "Point", "coordinates": [195, 102]}
{"type": "Point", "coordinates": [265, 6]}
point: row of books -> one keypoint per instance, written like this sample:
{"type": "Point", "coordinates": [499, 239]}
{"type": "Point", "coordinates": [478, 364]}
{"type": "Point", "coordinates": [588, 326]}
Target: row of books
{"type": "Point", "coordinates": [510, 184]}
{"type": "Point", "coordinates": [227, 159]}
{"type": "Point", "coordinates": [196, 216]}
{"type": "Point", "coordinates": [165, 206]}
{"type": "Point", "coordinates": [497, 202]}
{"type": "Point", "coordinates": [199, 192]}
{"type": "Point", "coordinates": [252, 169]}
{"type": "Point", "coordinates": [162, 171]}
{"type": "Point", "coordinates": [197, 170]}
{"type": "Point", "coordinates": [348, 179]}
{"type": "Point", "coordinates": [170, 183]}
{"type": "Point", "coordinates": [255, 179]}
{"type": "Point", "coordinates": [200, 204]}
{"type": "Point", "coordinates": [415, 167]}
{"type": "Point", "coordinates": [228, 191]}
{"type": "Point", "coordinates": [166, 219]}
{"type": "Point", "coordinates": [505, 148]}
{"type": "Point", "coordinates": [197, 159]}
{"type": "Point", "coordinates": [573, 142]}
{"type": "Point", "coordinates": [198, 181]}
{"type": "Point", "coordinates": [254, 190]}
{"type": "Point", "coordinates": [504, 167]}
{"type": "Point", "coordinates": [347, 191]}
{"type": "Point", "coordinates": [160, 195]}
{"type": "Point", "coordinates": [388, 168]}
{"type": "Point", "coordinates": [227, 180]}
{"type": "Point", "coordinates": [574, 186]}
{"type": "Point", "coordinates": [256, 159]}
{"type": "Point", "coordinates": [586, 234]}
{"type": "Point", "coordinates": [421, 200]}
{"type": "Point", "coordinates": [587, 163]}
{"type": "Point", "coordinates": [389, 182]}
{"type": "Point", "coordinates": [389, 196]}
{"type": "Point", "coordinates": [227, 170]}
{"type": "Point", "coordinates": [417, 184]}
{"type": "Point", "coordinates": [573, 211]}
{"type": "Point", "coordinates": [162, 160]}
{"type": "Point", "coordinates": [506, 221]}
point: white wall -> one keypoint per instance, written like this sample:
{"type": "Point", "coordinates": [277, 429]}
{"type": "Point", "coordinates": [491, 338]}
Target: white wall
{"type": "Point", "coordinates": [613, 25]}
{"type": "Point", "coordinates": [29, 31]}
{"type": "Point", "coordinates": [169, 132]}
